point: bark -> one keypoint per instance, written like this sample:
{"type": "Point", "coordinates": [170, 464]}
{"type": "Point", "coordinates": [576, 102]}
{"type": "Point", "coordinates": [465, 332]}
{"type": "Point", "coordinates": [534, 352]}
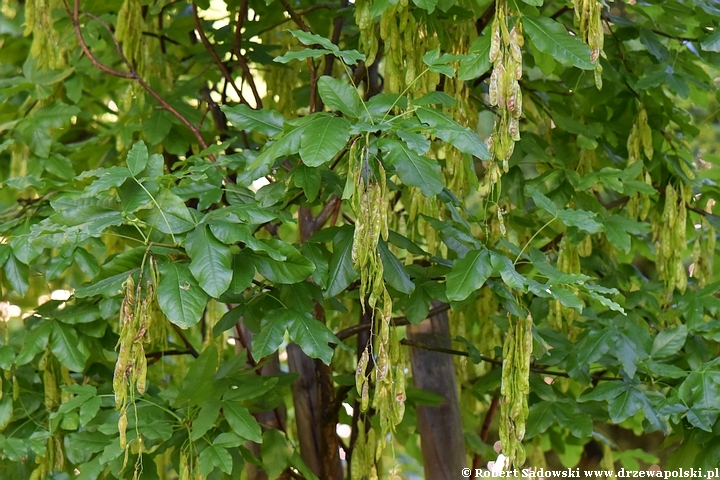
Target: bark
{"type": "Point", "coordinates": [440, 427]}
{"type": "Point", "coordinates": [316, 413]}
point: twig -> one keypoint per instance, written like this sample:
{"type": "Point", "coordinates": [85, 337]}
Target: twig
{"type": "Point", "coordinates": [237, 42]}
{"type": "Point", "coordinates": [131, 74]}
{"type": "Point", "coordinates": [311, 66]}
{"type": "Point", "coordinates": [211, 50]}
{"type": "Point", "coordinates": [185, 340]}
{"type": "Point", "coordinates": [397, 321]}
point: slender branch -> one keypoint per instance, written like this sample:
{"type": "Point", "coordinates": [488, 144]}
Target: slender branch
{"type": "Point", "coordinates": [675, 37]}
{"type": "Point", "coordinates": [237, 42]}
{"type": "Point", "coordinates": [211, 50]}
{"type": "Point", "coordinates": [294, 16]}
{"type": "Point", "coordinates": [187, 343]}
{"type": "Point", "coordinates": [397, 321]}
{"type": "Point", "coordinates": [493, 361]}
{"type": "Point", "coordinates": [311, 66]}
{"type": "Point", "coordinates": [131, 74]}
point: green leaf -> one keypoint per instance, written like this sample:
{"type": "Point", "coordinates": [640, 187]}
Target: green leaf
{"type": "Point", "coordinates": [552, 38]}
{"type": "Point", "coordinates": [505, 267]}
{"type": "Point", "coordinates": [338, 95]}
{"type": "Point", "coordinates": [6, 411]}
{"type": "Point", "coordinates": [35, 341]}
{"type": "Point", "coordinates": [418, 305]}
{"type": "Point", "coordinates": [275, 452]}
{"type": "Point", "coordinates": [242, 422]}
{"type": "Point", "coordinates": [393, 271]}
{"type": "Point", "coordinates": [412, 169]}
{"type": "Point", "coordinates": [439, 63]}
{"type": "Point", "coordinates": [108, 178]}
{"type": "Point", "coordinates": [169, 214]}
{"type": "Point", "coordinates": [211, 261]}
{"type": "Point", "coordinates": [213, 456]}
{"type": "Point", "coordinates": [17, 274]}
{"type": "Point", "coordinates": [428, 5]}
{"type": "Point", "coordinates": [68, 348]}
{"type": "Point", "coordinates": [295, 268]}
{"type": "Point", "coordinates": [669, 342]}
{"type": "Point", "coordinates": [581, 219]}
{"type": "Point", "coordinates": [341, 272]}
{"type": "Point", "coordinates": [322, 139]}
{"type": "Point", "coordinates": [208, 415]}
{"type": "Point", "coordinates": [308, 179]}
{"type": "Point", "coordinates": [450, 131]}
{"type": "Point", "coordinates": [625, 405]}
{"type": "Point", "coordinates": [271, 336]}
{"type": "Point", "coordinates": [263, 121]}
{"type": "Point", "coordinates": [578, 423]}
{"type": "Point", "coordinates": [603, 392]}
{"type": "Point", "coordinates": [109, 280]}
{"type": "Point", "coordinates": [541, 200]}
{"type": "Point", "coordinates": [303, 54]}
{"type": "Point", "coordinates": [137, 159]}
{"type": "Point", "coordinates": [540, 416]}
{"type": "Point", "coordinates": [434, 98]}
{"type": "Point", "coordinates": [243, 273]}
{"type": "Point", "coordinates": [566, 297]}
{"type": "Point", "coordinates": [312, 335]}
{"type": "Point", "coordinates": [711, 42]}
{"type": "Point", "coordinates": [468, 275]}
{"type": "Point", "coordinates": [89, 409]}
{"type": "Point", "coordinates": [157, 127]}
{"type": "Point", "coordinates": [180, 297]}
{"type": "Point", "coordinates": [477, 61]}
{"type": "Point", "coordinates": [618, 229]}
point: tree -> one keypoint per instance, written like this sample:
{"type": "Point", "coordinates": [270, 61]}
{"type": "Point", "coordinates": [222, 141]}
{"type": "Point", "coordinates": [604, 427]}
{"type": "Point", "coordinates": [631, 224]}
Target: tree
{"type": "Point", "coordinates": [289, 239]}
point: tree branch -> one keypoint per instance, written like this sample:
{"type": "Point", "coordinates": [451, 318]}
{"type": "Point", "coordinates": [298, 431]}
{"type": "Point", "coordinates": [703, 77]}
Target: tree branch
{"type": "Point", "coordinates": [237, 42]}
{"type": "Point", "coordinates": [211, 50]}
{"type": "Point", "coordinates": [131, 74]}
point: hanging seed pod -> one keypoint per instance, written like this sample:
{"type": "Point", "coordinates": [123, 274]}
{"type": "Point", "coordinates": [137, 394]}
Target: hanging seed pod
{"type": "Point", "coordinates": [360, 376]}
{"type": "Point", "coordinates": [122, 428]}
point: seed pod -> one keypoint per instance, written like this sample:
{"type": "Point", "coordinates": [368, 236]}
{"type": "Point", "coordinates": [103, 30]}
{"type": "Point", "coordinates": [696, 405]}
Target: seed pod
{"type": "Point", "coordinates": [122, 428]}
{"type": "Point", "coordinates": [382, 364]}
{"type": "Point", "coordinates": [365, 397]}
{"type": "Point", "coordinates": [141, 372]}
{"type": "Point", "coordinates": [360, 376]}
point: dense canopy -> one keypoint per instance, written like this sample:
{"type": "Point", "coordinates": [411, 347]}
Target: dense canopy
{"type": "Point", "coordinates": [383, 238]}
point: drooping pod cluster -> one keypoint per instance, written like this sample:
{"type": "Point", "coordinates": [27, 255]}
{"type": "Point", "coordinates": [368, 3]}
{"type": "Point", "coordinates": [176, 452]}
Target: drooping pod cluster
{"type": "Point", "coordinates": [640, 139]}
{"type": "Point", "coordinates": [129, 30]}
{"type": "Point", "coordinates": [515, 388]}
{"type": "Point", "coordinates": [457, 164]}
{"type": "Point", "coordinates": [54, 457]}
{"type": "Point", "coordinates": [504, 89]}
{"type": "Point", "coordinates": [703, 252]}
{"type": "Point", "coordinates": [368, 37]}
{"type": "Point", "coordinates": [588, 20]}
{"type": "Point", "coordinates": [406, 41]}
{"type": "Point", "coordinates": [560, 317]}
{"type": "Point", "coordinates": [46, 46]}
{"type": "Point", "coordinates": [362, 463]}
{"type": "Point", "coordinates": [280, 82]}
{"type": "Point", "coordinates": [371, 211]}
{"type": "Point", "coordinates": [671, 240]}
{"type": "Point", "coordinates": [137, 319]}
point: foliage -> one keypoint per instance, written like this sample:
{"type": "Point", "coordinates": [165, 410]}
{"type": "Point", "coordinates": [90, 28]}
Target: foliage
{"type": "Point", "coordinates": [218, 183]}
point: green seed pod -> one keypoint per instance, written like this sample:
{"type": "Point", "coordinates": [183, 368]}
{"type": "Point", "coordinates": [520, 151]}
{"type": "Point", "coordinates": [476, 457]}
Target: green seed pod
{"type": "Point", "coordinates": [365, 397]}
{"type": "Point", "coordinates": [122, 428]}
{"type": "Point", "coordinates": [141, 371]}
{"type": "Point", "coordinates": [360, 376]}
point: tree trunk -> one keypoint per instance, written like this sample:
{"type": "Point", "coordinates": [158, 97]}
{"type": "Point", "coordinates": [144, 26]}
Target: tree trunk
{"type": "Point", "coordinates": [440, 427]}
